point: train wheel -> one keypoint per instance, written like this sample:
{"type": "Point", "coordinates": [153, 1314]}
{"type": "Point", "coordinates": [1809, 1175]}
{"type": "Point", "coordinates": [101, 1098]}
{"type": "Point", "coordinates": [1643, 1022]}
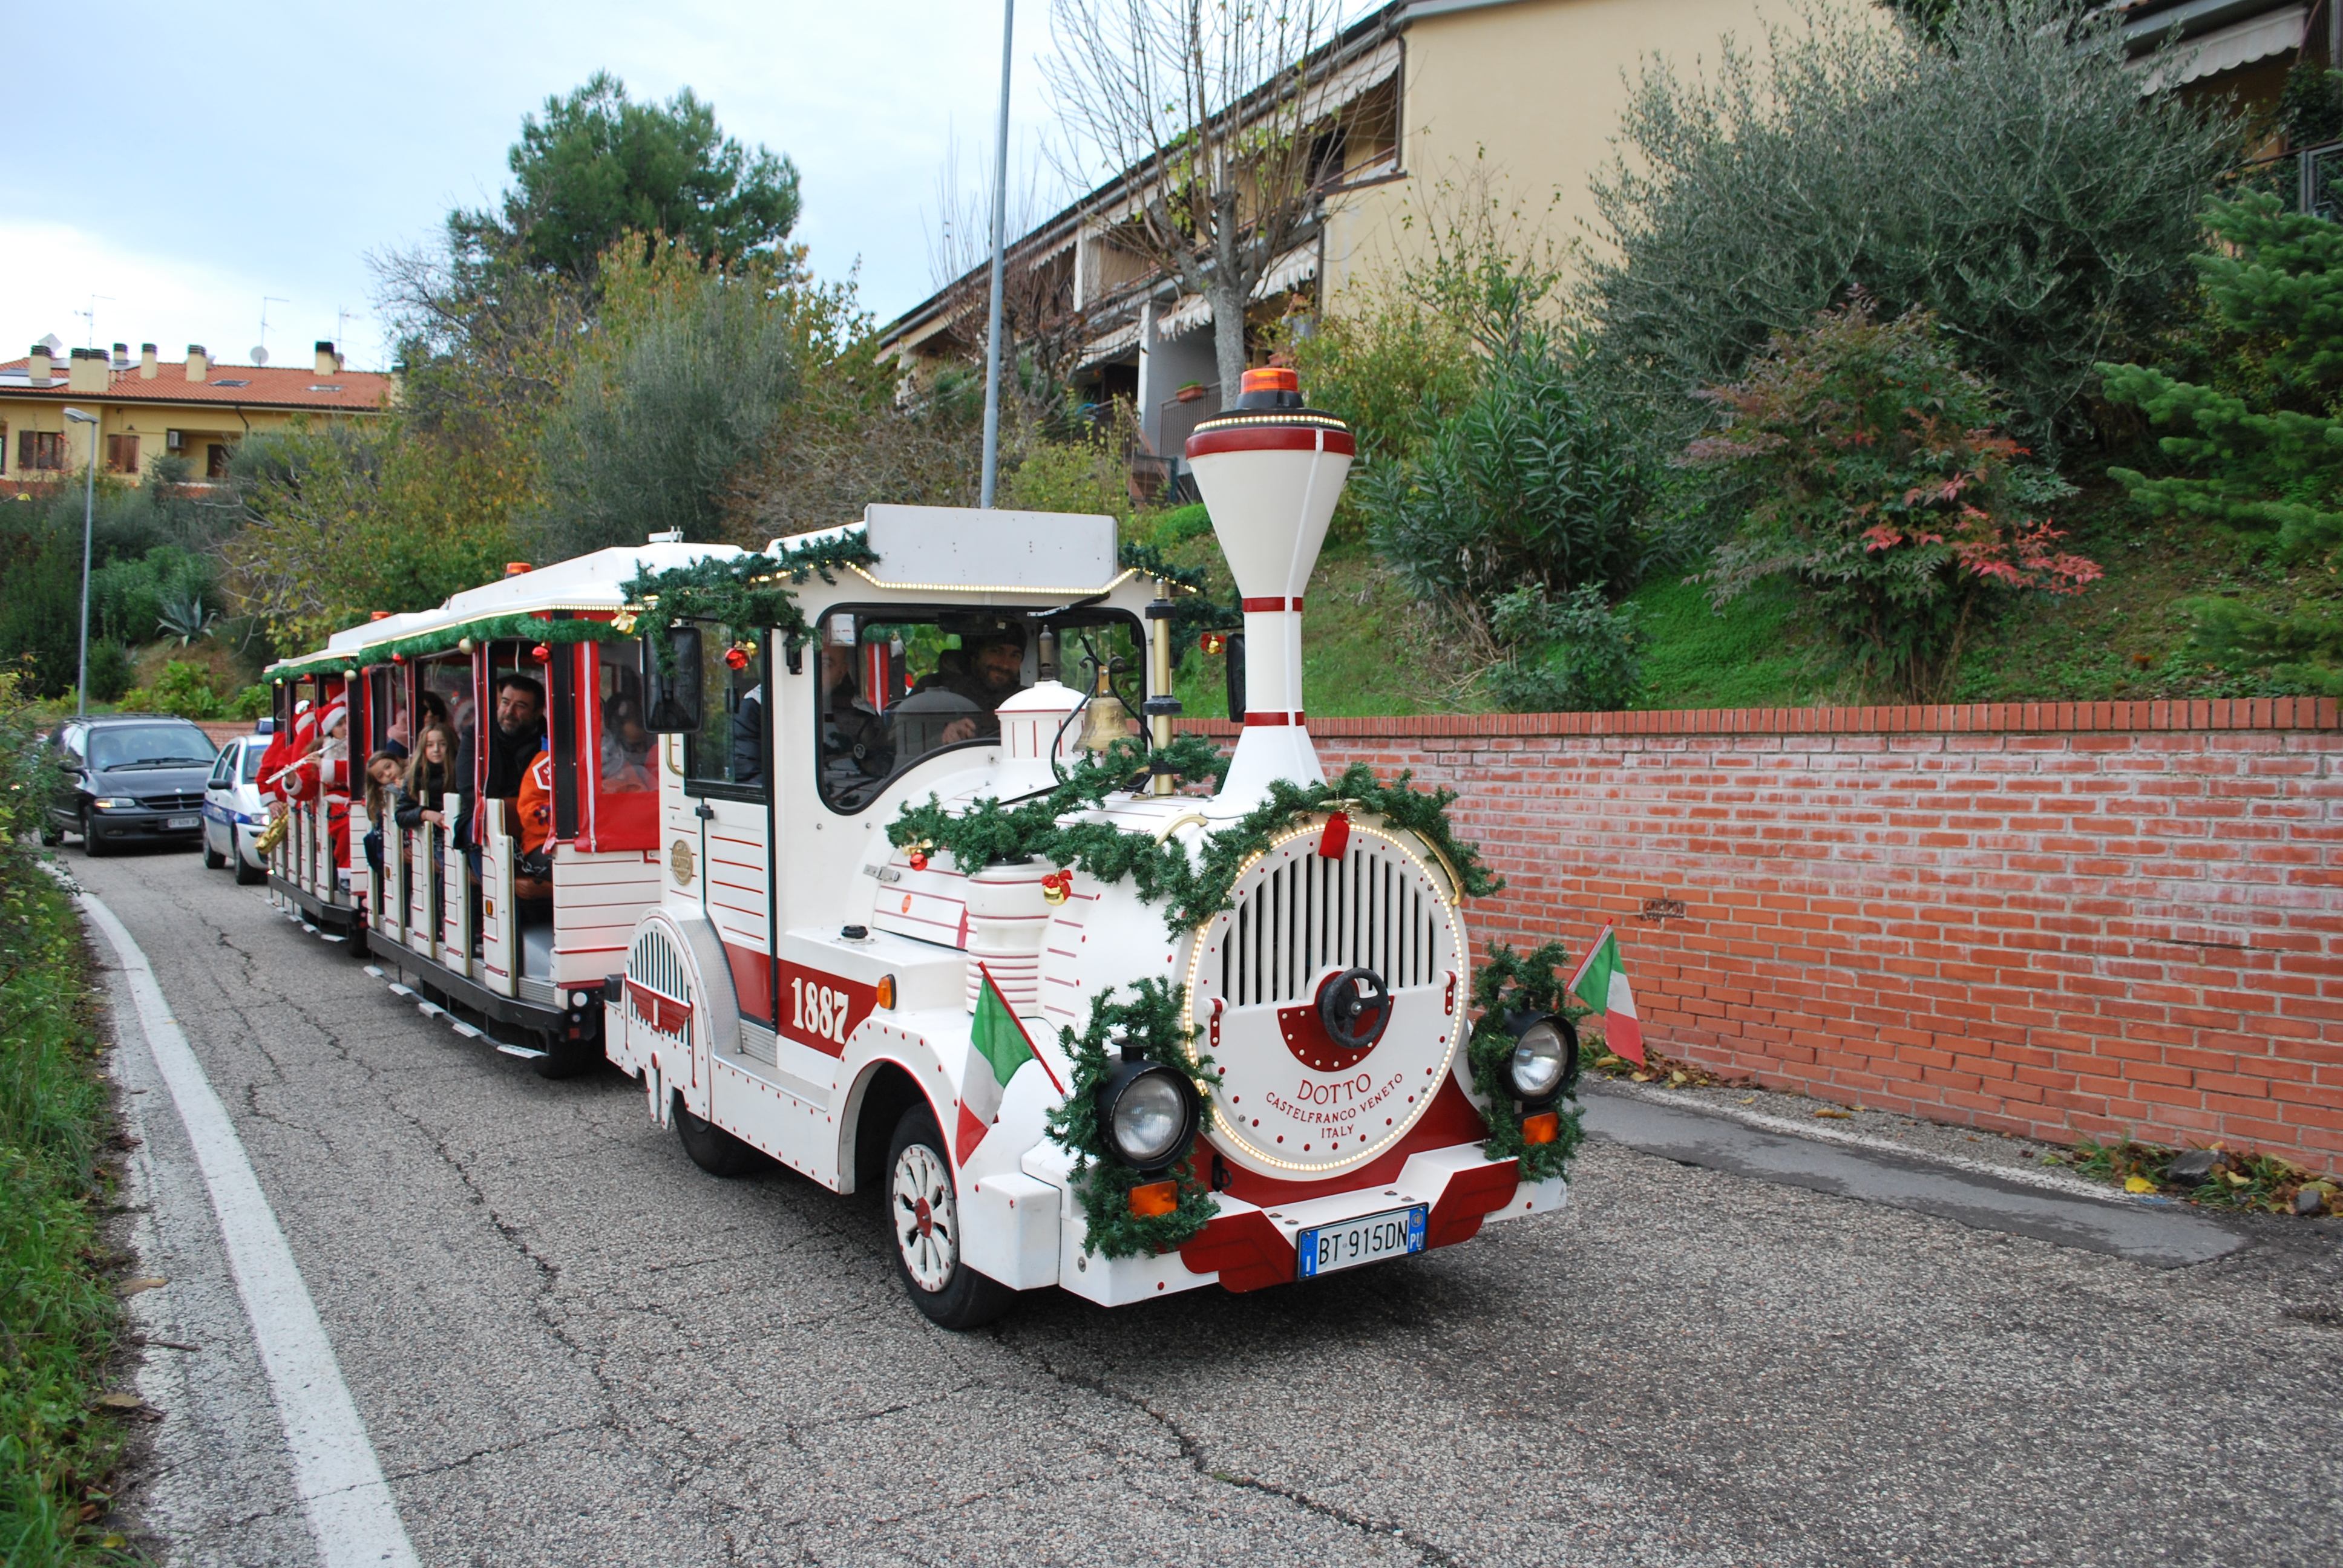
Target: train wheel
{"type": "Point", "coordinates": [711, 1148]}
{"type": "Point", "coordinates": [924, 1215]}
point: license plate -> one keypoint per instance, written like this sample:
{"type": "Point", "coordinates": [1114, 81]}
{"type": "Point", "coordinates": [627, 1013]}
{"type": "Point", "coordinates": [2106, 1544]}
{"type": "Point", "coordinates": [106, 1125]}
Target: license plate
{"type": "Point", "coordinates": [183, 822]}
{"type": "Point", "coordinates": [1391, 1234]}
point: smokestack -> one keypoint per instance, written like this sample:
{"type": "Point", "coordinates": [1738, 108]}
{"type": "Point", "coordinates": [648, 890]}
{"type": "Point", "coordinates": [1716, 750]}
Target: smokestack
{"type": "Point", "coordinates": [147, 368]}
{"type": "Point", "coordinates": [122, 357]}
{"type": "Point", "coordinates": [199, 364]}
{"type": "Point", "coordinates": [37, 367]}
{"type": "Point", "coordinates": [328, 363]}
{"type": "Point", "coordinates": [1271, 470]}
{"type": "Point", "coordinates": [85, 371]}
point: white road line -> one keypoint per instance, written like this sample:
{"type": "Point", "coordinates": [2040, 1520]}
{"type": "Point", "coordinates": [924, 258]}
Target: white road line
{"type": "Point", "coordinates": [334, 1470]}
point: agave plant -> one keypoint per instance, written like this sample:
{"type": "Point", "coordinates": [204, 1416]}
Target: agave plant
{"type": "Point", "coordinates": [185, 619]}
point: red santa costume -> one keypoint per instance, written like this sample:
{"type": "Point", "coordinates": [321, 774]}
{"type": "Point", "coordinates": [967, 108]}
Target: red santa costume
{"type": "Point", "coordinates": [285, 748]}
{"type": "Point", "coordinates": [325, 774]}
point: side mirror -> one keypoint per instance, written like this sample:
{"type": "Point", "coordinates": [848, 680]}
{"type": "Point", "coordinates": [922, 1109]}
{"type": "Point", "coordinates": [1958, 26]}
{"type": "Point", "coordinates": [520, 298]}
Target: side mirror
{"type": "Point", "coordinates": [671, 695]}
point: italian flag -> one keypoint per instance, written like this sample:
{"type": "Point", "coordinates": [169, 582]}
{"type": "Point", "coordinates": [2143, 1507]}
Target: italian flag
{"type": "Point", "coordinates": [1601, 983]}
{"type": "Point", "coordinates": [998, 1046]}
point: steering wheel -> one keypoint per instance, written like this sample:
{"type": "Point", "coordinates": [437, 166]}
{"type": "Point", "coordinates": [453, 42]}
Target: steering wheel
{"type": "Point", "coordinates": [1355, 1008]}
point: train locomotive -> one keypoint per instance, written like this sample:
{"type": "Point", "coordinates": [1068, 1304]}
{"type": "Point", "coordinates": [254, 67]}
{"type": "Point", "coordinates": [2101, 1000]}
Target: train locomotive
{"type": "Point", "coordinates": [745, 917]}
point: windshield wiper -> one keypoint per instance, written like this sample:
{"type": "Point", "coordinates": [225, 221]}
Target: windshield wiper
{"type": "Point", "coordinates": [155, 762]}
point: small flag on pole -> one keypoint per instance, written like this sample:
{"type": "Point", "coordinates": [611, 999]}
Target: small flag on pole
{"type": "Point", "coordinates": [1601, 983]}
{"type": "Point", "coordinates": [998, 1046]}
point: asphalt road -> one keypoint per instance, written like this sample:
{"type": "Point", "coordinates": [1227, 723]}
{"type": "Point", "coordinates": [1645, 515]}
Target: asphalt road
{"type": "Point", "coordinates": [571, 1347]}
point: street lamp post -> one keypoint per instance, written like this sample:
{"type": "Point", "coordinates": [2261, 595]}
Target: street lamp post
{"type": "Point", "coordinates": [88, 515]}
{"type": "Point", "coordinates": [991, 473]}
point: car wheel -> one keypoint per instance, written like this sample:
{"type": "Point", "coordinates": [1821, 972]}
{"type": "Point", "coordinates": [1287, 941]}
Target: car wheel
{"type": "Point", "coordinates": [711, 1148]}
{"type": "Point", "coordinates": [923, 1216]}
{"type": "Point", "coordinates": [246, 873]}
{"type": "Point", "coordinates": [95, 848]}
{"type": "Point", "coordinates": [213, 860]}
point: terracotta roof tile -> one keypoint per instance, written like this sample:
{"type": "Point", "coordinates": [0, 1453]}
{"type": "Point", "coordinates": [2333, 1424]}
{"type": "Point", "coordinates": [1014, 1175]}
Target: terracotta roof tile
{"type": "Point", "coordinates": [272, 385]}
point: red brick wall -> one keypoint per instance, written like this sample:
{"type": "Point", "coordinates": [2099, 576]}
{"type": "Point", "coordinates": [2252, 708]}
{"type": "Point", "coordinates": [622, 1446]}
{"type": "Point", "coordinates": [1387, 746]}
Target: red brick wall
{"type": "Point", "coordinates": [2054, 920]}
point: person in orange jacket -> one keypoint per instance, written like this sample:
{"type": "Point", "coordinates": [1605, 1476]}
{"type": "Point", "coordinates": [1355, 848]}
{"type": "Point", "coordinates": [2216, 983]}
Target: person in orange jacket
{"type": "Point", "coordinates": [533, 824]}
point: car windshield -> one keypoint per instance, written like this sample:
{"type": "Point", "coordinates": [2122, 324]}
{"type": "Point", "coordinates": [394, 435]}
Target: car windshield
{"type": "Point", "coordinates": [149, 746]}
{"type": "Point", "coordinates": [252, 756]}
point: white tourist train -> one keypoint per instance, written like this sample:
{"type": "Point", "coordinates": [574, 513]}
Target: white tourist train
{"type": "Point", "coordinates": [712, 899]}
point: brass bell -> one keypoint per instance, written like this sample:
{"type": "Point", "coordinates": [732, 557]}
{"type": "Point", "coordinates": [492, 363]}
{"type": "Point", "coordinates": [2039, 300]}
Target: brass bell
{"type": "Point", "coordinates": [1105, 719]}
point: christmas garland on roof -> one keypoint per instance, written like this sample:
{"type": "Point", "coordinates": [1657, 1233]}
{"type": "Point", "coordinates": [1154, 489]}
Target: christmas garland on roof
{"type": "Point", "coordinates": [522, 625]}
{"type": "Point", "coordinates": [746, 592]}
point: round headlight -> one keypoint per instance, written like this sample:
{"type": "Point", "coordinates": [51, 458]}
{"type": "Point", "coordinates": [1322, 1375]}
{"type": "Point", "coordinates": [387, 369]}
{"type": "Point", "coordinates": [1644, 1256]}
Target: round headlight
{"type": "Point", "coordinates": [1149, 1114]}
{"type": "Point", "coordinates": [1541, 1060]}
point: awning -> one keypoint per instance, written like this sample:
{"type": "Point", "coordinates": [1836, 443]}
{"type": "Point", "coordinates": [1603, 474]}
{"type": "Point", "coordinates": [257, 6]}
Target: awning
{"type": "Point", "coordinates": [2225, 48]}
{"type": "Point", "coordinates": [1194, 310]}
{"type": "Point", "coordinates": [1121, 340]}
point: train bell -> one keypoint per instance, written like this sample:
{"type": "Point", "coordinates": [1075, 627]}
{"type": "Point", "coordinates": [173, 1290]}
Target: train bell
{"type": "Point", "coordinates": [1104, 718]}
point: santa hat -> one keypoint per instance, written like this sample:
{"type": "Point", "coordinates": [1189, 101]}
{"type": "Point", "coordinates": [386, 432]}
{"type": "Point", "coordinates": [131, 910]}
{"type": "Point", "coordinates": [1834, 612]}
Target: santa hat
{"type": "Point", "coordinates": [335, 714]}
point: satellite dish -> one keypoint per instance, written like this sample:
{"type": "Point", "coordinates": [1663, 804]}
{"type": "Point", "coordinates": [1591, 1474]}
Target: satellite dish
{"type": "Point", "coordinates": [51, 343]}
{"type": "Point", "coordinates": [260, 355]}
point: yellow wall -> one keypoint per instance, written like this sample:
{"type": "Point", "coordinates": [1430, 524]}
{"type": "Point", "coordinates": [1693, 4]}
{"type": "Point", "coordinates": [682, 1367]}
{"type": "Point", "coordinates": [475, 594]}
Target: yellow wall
{"type": "Point", "coordinates": [199, 424]}
{"type": "Point", "coordinates": [1523, 99]}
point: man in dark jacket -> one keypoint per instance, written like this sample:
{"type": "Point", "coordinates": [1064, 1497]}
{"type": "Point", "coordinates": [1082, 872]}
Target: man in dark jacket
{"type": "Point", "coordinates": [515, 738]}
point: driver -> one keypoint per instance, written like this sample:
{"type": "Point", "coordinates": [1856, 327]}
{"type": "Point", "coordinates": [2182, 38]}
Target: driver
{"type": "Point", "coordinates": [996, 673]}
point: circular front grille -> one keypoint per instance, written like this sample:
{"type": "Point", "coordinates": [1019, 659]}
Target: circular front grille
{"type": "Point", "coordinates": [1291, 1099]}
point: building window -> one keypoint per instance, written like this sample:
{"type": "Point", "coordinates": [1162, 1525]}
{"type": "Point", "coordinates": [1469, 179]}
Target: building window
{"type": "Point", "coordinates": [122, 454]}
{"type": "Point", "coordinates": [216, 461]}
{"type": "Point", "coordinates": [38, 449]}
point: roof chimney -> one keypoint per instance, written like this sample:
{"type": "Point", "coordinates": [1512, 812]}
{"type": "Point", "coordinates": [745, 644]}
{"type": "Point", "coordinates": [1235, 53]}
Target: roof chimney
{"type": "Point", "coordinates": [85, 371]}
{"type": "Point", "coordinates": [199, 364]}
{"type": "Point", "coordinates": [37, 367]}
{"type": "Point", "coordinates": [328, 364]}
{"type": "Point", "coordinates": [147, 370]}
{"type": "Point", "coordinates": [122, 357]}
{"type": "Point", "coordinates": [1271, 470]}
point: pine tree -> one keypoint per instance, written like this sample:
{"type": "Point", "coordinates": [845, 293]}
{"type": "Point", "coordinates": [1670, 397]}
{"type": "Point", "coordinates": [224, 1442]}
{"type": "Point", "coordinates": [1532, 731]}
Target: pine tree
{"type": "Point", "coordinates": [2261, 451]}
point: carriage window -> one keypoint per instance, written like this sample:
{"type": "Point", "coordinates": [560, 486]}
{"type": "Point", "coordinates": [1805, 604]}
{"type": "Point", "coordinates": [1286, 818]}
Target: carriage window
{"type": "Point", "coordinates": [625, 757]}
{"type": "Point", "coordinates": [729, 751]}
{"type": "Point", "coordinates": [447, 696]}
{"type": "Point", "coordinates": [898, 687]}
{"type": "Point", "coordinates": [387, 711]}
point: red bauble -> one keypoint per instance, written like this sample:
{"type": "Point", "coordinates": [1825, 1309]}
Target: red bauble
{"type": "Point", "coordinates": [736, 658]}
{"type": "Point", "coordinates": [919, 859]}
{"type": "Point", "coordinates": [538, 653]}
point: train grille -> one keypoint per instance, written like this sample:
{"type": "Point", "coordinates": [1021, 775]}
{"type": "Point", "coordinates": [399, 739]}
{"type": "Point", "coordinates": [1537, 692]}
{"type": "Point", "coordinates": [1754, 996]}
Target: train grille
{"type": "Point", "coordinates": [656, 966]}
{"type": "Point", "coordinates": [1312, 913]}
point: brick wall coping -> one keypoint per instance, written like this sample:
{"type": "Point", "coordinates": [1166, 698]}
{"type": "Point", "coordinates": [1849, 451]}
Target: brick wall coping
{"type": "Point", "coordinates": [2224, 713]}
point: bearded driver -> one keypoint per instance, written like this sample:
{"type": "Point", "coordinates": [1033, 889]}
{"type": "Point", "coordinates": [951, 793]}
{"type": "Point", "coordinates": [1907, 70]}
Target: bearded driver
{"type": "Point", "coordinates": [996, 673]}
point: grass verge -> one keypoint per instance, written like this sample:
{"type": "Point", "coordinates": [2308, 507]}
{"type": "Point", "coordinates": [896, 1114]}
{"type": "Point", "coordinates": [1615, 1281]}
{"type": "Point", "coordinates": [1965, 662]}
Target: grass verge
{"type": "Point", "coordinates": [59, 1312]}
{"type": "Point", "coordinates": [2227, 1180]}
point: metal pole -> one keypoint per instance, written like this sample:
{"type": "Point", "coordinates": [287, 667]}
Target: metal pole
{"type": "Point", "coordinates": [999, 240]}
{"type": "Point", "coordinates": [88, 513]}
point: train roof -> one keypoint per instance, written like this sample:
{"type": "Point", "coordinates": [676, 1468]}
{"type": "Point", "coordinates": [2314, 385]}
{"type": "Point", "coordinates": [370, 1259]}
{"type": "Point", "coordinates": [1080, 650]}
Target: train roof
{"type": "Point", "coordinates": [589, 584]}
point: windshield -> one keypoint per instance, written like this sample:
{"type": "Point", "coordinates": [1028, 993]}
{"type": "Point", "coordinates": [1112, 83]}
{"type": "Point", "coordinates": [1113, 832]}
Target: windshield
{"type": "Point", "coordinates": [149, 746]}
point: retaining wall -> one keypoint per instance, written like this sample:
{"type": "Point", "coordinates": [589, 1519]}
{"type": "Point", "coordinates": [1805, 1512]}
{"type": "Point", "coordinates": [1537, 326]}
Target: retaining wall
{"type": "Point", "coordinates": [2056, 920]}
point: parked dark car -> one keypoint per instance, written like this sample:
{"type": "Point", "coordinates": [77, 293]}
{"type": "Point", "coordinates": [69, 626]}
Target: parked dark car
{"type": "Point", "coordinates": [130, 777]}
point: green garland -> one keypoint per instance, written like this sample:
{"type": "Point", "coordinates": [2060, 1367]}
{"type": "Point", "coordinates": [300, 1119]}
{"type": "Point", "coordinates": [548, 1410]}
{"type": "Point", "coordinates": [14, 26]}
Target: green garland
{"type": "Point", "coordinates": [1149, 1023]}
{"type": "Point", "coordinates": [1192, 889]}
{"type": "Point", "coordinates": [750, 592]}
{"type": "Point", "coordinates": [528, 626]}
{"type": "Point", "coordinates": [1531, 982]}
{"type": "Point", "coordinates": [1192, 609]}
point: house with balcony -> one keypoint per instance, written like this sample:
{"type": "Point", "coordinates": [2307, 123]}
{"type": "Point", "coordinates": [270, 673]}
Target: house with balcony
{"type": "Point", "coordinates": [148, 410]}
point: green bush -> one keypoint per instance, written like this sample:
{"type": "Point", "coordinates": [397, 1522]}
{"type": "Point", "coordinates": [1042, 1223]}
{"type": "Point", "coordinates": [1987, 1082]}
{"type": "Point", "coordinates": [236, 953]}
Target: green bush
{"type": "Point", "coordinates": [1067, 477]}
{"type": "Point", "coordinates": [1539, 479]}
{"type": "Point", "coordinates": [1573, 656]}
{"type": "Point", "coordinates": [58, 1314]}
{"type": "Point", "coordinates": [110, 672]}
{"type": "Point", "coordinates": [2257, 448]}
{"type": "Point", "coordinates": [1883, 493]}
{"type": "Point", "coordinates": [2011, 178]}
{"type": "Point", "coordinates": [252, 702]}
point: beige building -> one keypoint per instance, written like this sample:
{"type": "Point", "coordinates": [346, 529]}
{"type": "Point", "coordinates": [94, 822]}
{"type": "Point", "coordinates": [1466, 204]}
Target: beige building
{"type": "Point", "coordinates": [148, 409]}
{"type": "Point", "coordinates": [1431, 103]}
{"type": "Point", "coordinates": [1511, 100]}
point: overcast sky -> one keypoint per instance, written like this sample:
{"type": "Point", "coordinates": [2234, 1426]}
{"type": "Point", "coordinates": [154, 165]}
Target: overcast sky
{"type": "Point", "coordinates": [184, 164]}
